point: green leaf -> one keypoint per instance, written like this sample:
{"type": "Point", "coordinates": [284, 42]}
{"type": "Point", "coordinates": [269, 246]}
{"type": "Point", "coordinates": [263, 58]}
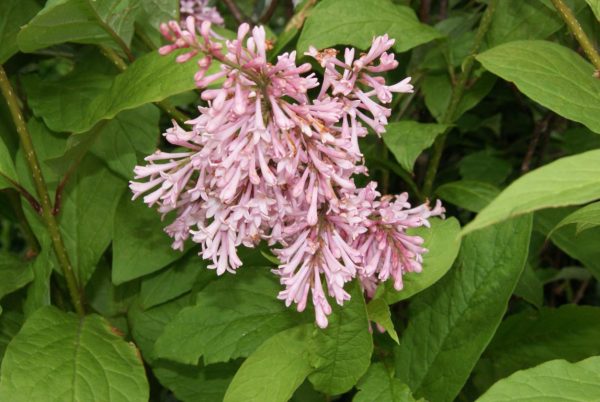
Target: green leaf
{"type": "Point", "coordinates": [10, 323]}
{"type": "Point", "coordinates": [153, 13]}
{"type": "Point", "coordinates": [556, 380]}
{"type": "Point", "coordinates": [527, 339]}
{"type": "Point", "coordinates": [88, 205]}
{"type": "Point", "coordinates": [196, 383]}
{"type": "Point", "coordinates": [530, 287]}
{"type": "Point", "coordinates": [333, 22]}
{"type": "Point", "coordinates": [595, 6]}
{"type": "Point", "coordinates": [379, 312]}
{"type": "Point", "coordinates": [567, 181]}
{"type": "Point", "coordinates": [443, 243]}
{"type": "Point", "coordinates": [341, 353]}
{"type": "Point", "coordinates": [485, 167]}
{"type": "Point", "coordinates": [468, 194]}
{"type": "Point", "coordinates": [516, 20]}
{"type": "Point", "coordinates": [151, 78]}
{"type": "Point", "coordinates": [175, 280]}
{"type": "Point", "coordinates": [437, 89]}
{"type": "Point", "coordinates": [407, 139]}
{"type": "Point", "coordinates": [378, 385]}
{"type": "Point", "coordinates": [140, 246]}
{"type": "Point", "coordinates": [550, 74]}
{"type": "Point", "coordinates": [14, 273]}
{"type": "Point", "coordinates": [231, 318]}
{"type": "Point", "coordinates": [583, 247]}
{"type": "Point", "coordinates": [79, 21]}
{"type": "Point", "coordinates": [7, 168]}
{"type": "Point", "coordinates": [274, 371]}
{"type": "Point", "coordinates": [585, 217]}
{"type": "Point", "coordinates": [13, 14]}
{"type": "Point", "coordinates": [451, 323]}
{"type": "Point", "coordinates": [61, 357]}
{"type": "Point", "coordinates": [38, 292]}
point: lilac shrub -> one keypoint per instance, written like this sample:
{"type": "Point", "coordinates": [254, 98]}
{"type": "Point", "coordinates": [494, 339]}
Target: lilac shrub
{"type": "Point", "coordinates": [272, 157]}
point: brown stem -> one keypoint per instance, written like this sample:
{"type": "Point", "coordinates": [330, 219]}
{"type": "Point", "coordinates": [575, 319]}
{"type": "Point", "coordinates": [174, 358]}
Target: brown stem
{"type": "Point", "coordinates": [540, 127]}
{"type": "Point", "coordinates": [424, 10]}
{"type": "Point", "coordinates": [239, 16]}
{"type": "Point", "coordinates": [43, 194]}
{"type": "Point", "coordinates": [268, 14]}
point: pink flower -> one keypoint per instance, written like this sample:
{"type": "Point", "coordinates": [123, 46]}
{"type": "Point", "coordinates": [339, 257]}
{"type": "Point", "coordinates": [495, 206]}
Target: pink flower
{"type": "Point", "coordinates": [264, 162]}
{"type": "Point", "coordinates": [200, 10]}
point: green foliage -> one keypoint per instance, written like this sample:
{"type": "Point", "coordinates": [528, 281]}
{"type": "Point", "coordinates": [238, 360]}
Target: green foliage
{"type": "Point", "coordinates": [557, 379]}
{"type": "Point", "coordinates": [506, 309]}
{"type": "Point", "coordinates": [68, 358]}
{"type": "Point", "coordinates": [337, 23]}
{"type": "Point", "coordinates": [451, 323]}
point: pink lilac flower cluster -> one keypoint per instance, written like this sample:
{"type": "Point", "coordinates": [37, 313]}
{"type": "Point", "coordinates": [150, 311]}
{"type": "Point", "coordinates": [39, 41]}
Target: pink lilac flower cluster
{"type": "Point", "coordinates": [200, 10]}
{"type": "Point", "coordinates": [264, 161]}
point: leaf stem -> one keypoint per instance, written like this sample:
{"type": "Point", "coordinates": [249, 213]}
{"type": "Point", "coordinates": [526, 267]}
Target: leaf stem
{"type": "Point", "coordinates": [42, 190]}
{"type": "Point", "coordinates": [575, 28]}
{"type": "Point", "coordinates": [457, 93]}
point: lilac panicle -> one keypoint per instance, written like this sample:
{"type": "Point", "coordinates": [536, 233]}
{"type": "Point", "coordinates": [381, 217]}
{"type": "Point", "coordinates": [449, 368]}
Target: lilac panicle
{"type": "Point", "coordinates": [263, 161]}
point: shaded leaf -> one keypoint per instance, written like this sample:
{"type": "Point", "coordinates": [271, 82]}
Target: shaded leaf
{"type": "Point", "coordinates": [407, 139]}
{"type": "Point", "coordinates": [7, 168]}
{"type": "Point", "coordinates": [232, 316]}
{"type": "Point", "coordinates": [379, 312]}
{"type": "Point", "coordinates": [378, 385]}
{"type": "Point", "coordinates": [468, 194]}
{"type": "Point", "coordinates": [14, 273]}
{"type": "Point", "coordinates": [585, 217]}
{"type": "Point", "coordinates": [13, 14]}
{"type": "Point", "coordinates": [527, 339]}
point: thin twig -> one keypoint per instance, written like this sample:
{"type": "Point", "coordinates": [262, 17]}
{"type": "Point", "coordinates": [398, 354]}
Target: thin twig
{"type": "Point", "coordinates": [26, 194]}
{"type": "Point", "coordinates": [575, 28]}
{"type": "Point", "coordinates": [268, 14]}
{"type": "Point", "coordinates": [42, 190]}
{"type": "Point", "coordinates": [424, 10]}
{"type": "Point", "coordinates": [540, 127]}
{"type": "Point", "coordinates": [239, 16]}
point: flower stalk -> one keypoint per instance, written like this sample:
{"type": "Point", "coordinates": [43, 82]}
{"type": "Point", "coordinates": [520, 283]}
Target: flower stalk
{"type": "Point", "coordinates": [42, 190]}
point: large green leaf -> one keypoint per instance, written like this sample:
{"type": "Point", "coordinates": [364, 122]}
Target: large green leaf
{"type": "Point", "coordinates": [356, 22]}
{"type": "Point", "coordinates": [13, 14]}
{"type": "Point", "coordinates": [151, 78]}
{"type": "Point", "coordinates": [38, 291]}
{"type": "Point", "coordinates": [7, 168]}
{"type": "Point", "coordinates": [443, 242]}
{"type": "Point", "coordinates": [79, 21]}
{"type": "Point", "coordinates": [452, 322]}
{"type": "Point", "coordinates": [14, 273]}
{"type": "Point", "coordinates": [567, 181]}
{"type": "Point", "coordinates": [231, 318]}
{"type": "Point", "coordinates": [407, 139]}
{"type": "Point", "coordinates": [485, 167]}
{"type": "Point", "coordinates": [517, 19]}
{"type": "Point", "coordinates": [550, 74]}
{"type": "Point", "coordinates": [274, 371]}
{"type": "Point", "coordinates": [585, 218]}
{"type": "Point", "coordinates": [527, 339]}
{"type": "Point", "coordinates": [556, 380]}
{"type": "Point", "coordinates": [140, 246]}
{"type": "Point", "coordinates": [58, 356]}
{"type": "Point", "coordinates": [379, 385]}
{"type": "Point", "coordinates": [175, 280]}
{"type": "Point", "coordinates": [88, 205]}
{"type": "Point", "coordinates": [341, 353]}
{"type": "Point", "coordinates": [468, 194]}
